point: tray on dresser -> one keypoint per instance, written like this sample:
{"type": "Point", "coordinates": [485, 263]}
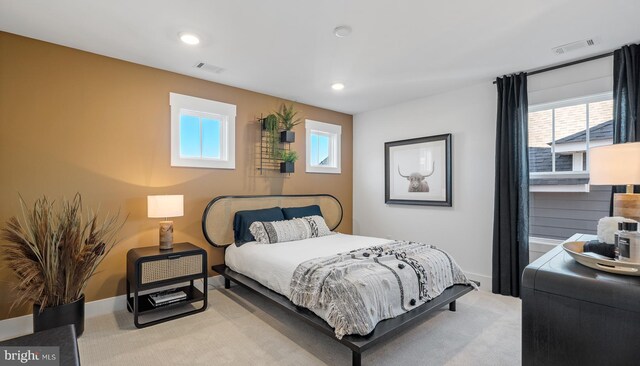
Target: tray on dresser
{"type": "Point", "coordinates": [575, 250]}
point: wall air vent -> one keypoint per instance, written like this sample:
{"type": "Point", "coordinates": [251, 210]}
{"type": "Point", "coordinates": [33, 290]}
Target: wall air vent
{"type": "Point", "coordinates": [209, 68]}
{"type": "Point", "coordinates": [570, 47]}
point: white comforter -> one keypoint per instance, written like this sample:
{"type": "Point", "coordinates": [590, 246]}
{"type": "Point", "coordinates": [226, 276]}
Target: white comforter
{"type": "Point", "coordinates": [273, 265]}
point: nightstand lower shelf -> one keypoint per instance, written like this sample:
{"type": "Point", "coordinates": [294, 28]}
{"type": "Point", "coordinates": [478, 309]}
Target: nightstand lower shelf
{"type": "Point", "coordinates": [145, 306]}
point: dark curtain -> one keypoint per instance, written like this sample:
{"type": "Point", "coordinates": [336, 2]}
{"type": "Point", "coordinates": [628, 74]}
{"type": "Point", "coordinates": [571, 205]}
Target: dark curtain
{"type": "Point", "coordinates": [511, 207]}
{"type": "Point", "coordinates": [626, 100]}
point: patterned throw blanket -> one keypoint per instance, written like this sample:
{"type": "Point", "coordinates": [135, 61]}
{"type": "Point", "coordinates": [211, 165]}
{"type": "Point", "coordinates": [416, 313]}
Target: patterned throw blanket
{"type": "Point", "coordinates": [358, 289]}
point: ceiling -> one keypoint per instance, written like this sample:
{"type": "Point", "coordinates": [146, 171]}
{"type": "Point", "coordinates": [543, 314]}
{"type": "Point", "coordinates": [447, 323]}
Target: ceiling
{"type": "Point", "coordinates": [398, 50]}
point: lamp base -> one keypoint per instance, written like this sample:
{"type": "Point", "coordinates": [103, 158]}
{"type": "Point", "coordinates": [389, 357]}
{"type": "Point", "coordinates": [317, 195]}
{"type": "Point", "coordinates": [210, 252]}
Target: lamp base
{"type": "Point", "coordinates": [166, 235]}
{"type": "Point", "coordinates": [627, 205]}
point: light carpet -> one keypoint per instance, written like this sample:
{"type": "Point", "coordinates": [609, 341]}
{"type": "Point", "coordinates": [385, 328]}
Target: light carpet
{"type": "Point", "coordinates": [241, 328]}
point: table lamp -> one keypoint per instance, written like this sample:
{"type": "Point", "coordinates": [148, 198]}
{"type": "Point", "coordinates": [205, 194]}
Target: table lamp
{"type": "Point", "coordinates": [618, 165]}
{"type": "Point", "coordinates": [164, 207]}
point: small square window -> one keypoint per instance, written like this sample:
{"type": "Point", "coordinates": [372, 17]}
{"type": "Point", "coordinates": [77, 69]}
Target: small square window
{"type": "Point", "coordinates": [202, 133]}
{"type": "Point", "coordinates": [323, 147]}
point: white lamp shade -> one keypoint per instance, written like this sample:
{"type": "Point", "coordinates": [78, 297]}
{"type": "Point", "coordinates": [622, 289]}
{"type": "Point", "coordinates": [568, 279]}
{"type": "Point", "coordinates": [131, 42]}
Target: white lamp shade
{"type": "Point", "coordinates": [165, 206]}
{"type": "Point", "coordinates": [616, 165]}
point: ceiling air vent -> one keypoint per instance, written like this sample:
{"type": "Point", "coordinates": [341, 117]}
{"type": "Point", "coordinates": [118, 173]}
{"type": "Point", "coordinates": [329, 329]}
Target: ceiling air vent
{"type": "Point", "coordinates": [569, 47]}
{"type": "Point", "coordinates": [209, 68]}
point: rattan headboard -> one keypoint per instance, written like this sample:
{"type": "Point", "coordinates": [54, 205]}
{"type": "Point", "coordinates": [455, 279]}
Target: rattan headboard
{"type": "Point", "coordinates": [217, 219]}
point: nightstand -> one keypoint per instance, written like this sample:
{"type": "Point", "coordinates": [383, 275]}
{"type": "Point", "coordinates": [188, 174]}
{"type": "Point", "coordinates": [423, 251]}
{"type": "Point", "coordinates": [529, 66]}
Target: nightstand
{"type": "Point", "coordinates": [150, 268]}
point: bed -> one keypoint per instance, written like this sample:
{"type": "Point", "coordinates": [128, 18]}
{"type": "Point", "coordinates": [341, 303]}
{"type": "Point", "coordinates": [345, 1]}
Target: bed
{"type": "Point", "coordinates": [268, 269]}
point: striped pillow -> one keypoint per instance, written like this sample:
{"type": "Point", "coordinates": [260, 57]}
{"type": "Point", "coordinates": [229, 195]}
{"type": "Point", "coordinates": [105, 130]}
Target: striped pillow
{"type": "Point", "coordinates": [269, 232]}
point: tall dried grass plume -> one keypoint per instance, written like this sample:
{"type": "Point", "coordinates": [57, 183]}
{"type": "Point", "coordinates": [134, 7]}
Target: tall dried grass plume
{"type": "Point", "coordinates": [54, 251]}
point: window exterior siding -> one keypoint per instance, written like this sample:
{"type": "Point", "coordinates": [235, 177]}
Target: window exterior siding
{"type": "Point", "coordinates": [560, 215]}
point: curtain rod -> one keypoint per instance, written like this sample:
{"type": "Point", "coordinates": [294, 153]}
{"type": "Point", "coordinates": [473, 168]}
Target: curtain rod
{"type": "Point", "coordinates": [571, 63]}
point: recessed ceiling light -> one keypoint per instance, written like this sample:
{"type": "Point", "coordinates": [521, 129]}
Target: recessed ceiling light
{"type": "Point", "coordinates": [189, 38]}
{"type": "Point", "coordinates": [342, 31]}
{"type": "Point", "coordinates": [337, 86]}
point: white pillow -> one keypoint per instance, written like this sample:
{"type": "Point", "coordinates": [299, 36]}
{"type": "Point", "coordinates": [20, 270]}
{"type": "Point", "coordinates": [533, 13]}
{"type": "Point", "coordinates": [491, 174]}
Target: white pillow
{"type": "Point", "coordinates": [269, 232]}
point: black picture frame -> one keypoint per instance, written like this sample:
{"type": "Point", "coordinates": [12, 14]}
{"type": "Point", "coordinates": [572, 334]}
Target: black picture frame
{"type": "Point", "coordinates": [389, 196]}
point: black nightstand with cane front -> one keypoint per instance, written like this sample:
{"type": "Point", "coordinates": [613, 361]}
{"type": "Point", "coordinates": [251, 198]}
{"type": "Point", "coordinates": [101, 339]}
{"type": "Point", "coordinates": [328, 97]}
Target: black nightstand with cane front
{"type": "Point", "coordinates": [150, 268]}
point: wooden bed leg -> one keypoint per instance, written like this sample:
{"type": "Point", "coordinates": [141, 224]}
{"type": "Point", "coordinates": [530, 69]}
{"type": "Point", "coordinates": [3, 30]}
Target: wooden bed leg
{"type": "Point", "coordinates": [452, 305]}
{"type": "Point", "coordinates": [356, 358]}
{"type": "Point", "coordinates": [227, 283]}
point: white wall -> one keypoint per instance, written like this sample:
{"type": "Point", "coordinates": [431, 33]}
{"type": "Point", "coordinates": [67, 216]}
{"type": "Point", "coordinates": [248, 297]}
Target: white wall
{"type": "Point", "coordinates": [464, 230]}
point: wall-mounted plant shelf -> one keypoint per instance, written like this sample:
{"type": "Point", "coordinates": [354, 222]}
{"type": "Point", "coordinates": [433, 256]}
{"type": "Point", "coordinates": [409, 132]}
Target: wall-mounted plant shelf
{"type": "Point", "coordinates": [272, 146]}
{"type": "Point", "coordinates": [276, 129]}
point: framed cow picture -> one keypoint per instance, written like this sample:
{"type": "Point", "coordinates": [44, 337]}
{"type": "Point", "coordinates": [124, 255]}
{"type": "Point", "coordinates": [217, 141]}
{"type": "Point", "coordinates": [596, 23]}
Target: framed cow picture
{"type": "Point", "coordinates": [418, 171]}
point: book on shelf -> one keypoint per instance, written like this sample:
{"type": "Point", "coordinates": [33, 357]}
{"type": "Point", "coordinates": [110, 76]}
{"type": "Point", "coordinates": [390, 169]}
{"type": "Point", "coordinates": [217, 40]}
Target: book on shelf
{"type": "Point", "coordinates": [165, 298]}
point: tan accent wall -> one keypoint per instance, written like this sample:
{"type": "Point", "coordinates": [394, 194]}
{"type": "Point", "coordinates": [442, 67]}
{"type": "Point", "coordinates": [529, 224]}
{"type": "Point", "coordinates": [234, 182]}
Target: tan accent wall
{"type": "Point", "coordinates": [73, 121]}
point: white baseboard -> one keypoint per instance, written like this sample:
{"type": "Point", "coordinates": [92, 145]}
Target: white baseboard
{"type": "Point", "coordinates": [485, 281]}
{"type": "Point", "coordinates": [19, 326]}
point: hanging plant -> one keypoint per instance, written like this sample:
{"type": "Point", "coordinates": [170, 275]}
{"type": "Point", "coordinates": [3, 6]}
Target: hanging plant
{"type": "Point", "coordinates": [271, 126]}
{"type": "Point", "coordinates": [270, 122]}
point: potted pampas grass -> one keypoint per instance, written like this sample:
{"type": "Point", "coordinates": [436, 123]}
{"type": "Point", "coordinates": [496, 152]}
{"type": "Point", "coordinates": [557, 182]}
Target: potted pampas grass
{"type": "Point", "coordinates": [53, 253]}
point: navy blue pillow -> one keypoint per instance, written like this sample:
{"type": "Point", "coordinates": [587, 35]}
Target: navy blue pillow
{"type": "Point", "coordinates": [297, 212]}
{"type": "Point", "coordinates": [243, 219]}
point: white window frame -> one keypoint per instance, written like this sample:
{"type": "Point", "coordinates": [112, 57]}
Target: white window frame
{"type": "Point", "coordinates": [561, 188]}
{"type": "Point", "coordinates": [198, 107]}
{"type": "Point", "coordinates": [335, 146]}
{"type": "Point", "coordinates": [600, 97]}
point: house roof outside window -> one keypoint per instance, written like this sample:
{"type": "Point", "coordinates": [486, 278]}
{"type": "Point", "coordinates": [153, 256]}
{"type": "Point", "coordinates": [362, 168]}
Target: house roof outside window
{"type": "Point", "coordinates": [540, 158]}
{"type": "Point", "coordinates": [603, 131]}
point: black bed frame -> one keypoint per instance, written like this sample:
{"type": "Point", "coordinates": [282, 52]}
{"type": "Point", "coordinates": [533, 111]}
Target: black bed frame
{"type": "Point", "coordinates": [358, 344]}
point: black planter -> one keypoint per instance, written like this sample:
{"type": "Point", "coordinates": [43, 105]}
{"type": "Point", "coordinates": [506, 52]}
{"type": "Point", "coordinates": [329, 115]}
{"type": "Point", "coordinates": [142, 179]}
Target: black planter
{"type": "Point", "coordinates": [287, 136]}
{"type": "Point", "coordinates": [56, 316]}
{"type": "Point", "coordinates": [287, 167]}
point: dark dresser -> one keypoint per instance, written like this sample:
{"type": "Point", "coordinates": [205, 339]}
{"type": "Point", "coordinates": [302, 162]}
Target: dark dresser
{"type": "Point", "coordinates": [63, 338]}
{"type": "Point", "coordinates": [575, 315]}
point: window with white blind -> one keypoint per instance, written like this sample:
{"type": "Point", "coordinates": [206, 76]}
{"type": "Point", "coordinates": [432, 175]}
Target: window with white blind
{"type": "Point", "coordinates": [570, 110]}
